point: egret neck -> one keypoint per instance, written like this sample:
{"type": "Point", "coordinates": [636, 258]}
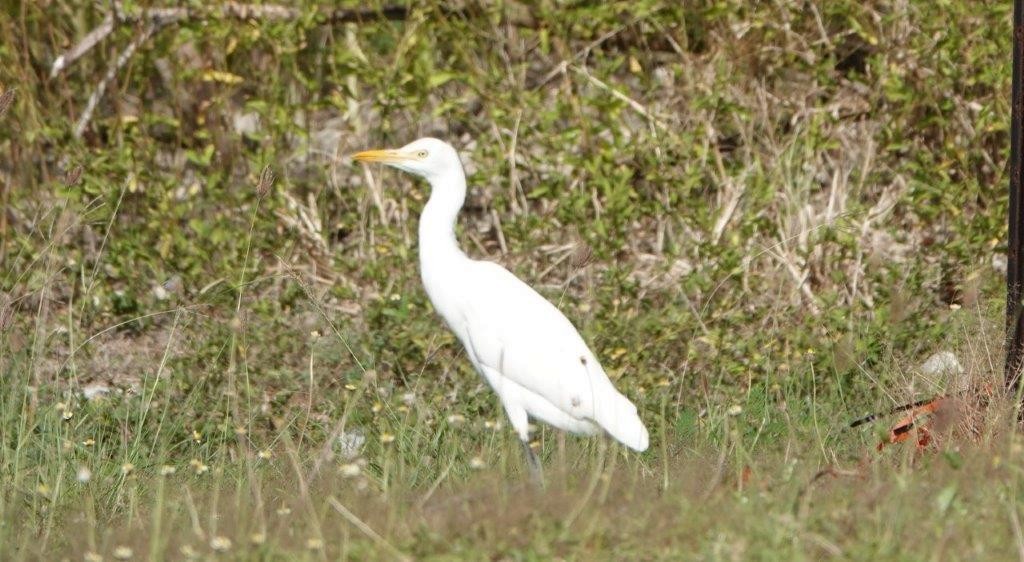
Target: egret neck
{"type": "Point", "coordinates": [439, 251]}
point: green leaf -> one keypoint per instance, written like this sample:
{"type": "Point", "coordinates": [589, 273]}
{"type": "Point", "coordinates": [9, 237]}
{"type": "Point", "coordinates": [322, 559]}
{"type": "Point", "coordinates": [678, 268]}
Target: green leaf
{"type": "Point", "coordinates": [945, 499]}
{"type": "Point", "coordinates": [440, 78]}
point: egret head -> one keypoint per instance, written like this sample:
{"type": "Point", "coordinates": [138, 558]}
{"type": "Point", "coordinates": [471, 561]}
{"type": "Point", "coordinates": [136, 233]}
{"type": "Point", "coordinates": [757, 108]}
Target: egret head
{"type": "Point", "coordinates": [426, 157]}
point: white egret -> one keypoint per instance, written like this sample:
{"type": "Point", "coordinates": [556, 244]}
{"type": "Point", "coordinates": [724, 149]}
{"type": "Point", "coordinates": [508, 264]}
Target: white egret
{"type": "Point", "coordinates": [524, 347]}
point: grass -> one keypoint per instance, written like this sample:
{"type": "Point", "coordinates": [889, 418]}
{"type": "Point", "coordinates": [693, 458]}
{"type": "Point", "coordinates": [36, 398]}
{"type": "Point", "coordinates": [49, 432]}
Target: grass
{"type": "Point", "coordinates": [764, 217]}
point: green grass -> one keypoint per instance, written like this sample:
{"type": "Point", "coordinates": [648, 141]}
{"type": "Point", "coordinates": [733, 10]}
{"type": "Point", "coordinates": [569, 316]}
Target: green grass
{"type": "Point", "coordinates": [762, 216]}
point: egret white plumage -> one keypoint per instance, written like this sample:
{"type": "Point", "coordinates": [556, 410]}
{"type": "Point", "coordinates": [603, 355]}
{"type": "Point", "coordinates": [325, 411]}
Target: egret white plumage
{"type": "Point", "coordinates": [524, 347]}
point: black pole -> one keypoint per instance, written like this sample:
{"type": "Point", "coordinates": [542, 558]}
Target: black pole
{"type": "Point", "coordinates": [1014, 265]}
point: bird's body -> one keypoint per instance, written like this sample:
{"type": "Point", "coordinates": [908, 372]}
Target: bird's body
{"type": "Point", "coordinates": [523, 346]}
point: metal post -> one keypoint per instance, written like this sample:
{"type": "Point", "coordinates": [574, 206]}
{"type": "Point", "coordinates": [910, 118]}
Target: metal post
{"type": "Point", "coordinates": [1014, 264]}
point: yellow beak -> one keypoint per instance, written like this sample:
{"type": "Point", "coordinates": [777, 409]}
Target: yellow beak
{"type": "Point", "coordinates": [385, 156]}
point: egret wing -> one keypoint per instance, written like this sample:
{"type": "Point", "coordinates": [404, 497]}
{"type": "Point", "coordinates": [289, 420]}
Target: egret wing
{"type": "Point", "coordinates": [514, 330]}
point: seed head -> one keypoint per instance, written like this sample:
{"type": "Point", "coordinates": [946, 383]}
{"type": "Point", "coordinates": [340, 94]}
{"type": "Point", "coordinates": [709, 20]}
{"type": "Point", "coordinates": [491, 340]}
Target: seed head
{"type": "Point", "coordinates": [6, 100]}
{"type": "Point", "coordinates": [73, 175]}
{"type": "Point", "coordinates": [266, 181]}
{"type": "Point", "coordinates": [583, 255]}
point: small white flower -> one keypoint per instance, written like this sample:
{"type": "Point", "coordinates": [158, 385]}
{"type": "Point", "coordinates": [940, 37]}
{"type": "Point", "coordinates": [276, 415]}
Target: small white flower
{"type": "Point", "coordinates": [95, 391]}
{"type": "Point", "coordinates": [456, 419]}
{"type": "Point", "coordinates": [84, 474]}
{"type": "Point", "coordinates": [220, 543]}
{"type": "Point", "coordinates": [160, 293]}
{"type": "Point", "coordinates": [351, 443]}
{"type": "Point", "coordinates": [477, 463]}
{"type": "Point", "coordinates": [734, 410]}
{"type": "Point", "coordinates": [199, 466]}
{"type": "Point", "coordinates": [123, 553]}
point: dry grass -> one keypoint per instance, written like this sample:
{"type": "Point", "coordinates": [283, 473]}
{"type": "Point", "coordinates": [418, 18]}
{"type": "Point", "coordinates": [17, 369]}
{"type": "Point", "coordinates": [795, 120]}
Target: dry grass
{"type": "Point", "coordinates": [764, 217]}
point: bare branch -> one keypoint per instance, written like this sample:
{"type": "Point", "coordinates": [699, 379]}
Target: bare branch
{"type": "Point", "coordinates": [83, 46]}
{"type": "Point", "coordinates": [366, 529]}
{"type": "Point", "coordinates": [160, 17]}
{"type": "Point", "coordinates": [101, 88]}
{"type": "Point", "coordinates": [637, 106]}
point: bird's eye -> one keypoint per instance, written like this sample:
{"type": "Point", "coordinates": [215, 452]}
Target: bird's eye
{"type": "Point", "coordinates": [421, 154]}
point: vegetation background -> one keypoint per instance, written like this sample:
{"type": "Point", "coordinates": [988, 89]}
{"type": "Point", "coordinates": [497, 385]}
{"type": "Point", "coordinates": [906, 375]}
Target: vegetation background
{"type": "Point", "coordinates": [763, 216]}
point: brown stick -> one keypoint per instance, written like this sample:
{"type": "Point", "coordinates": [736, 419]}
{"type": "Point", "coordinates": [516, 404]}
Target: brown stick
{"type": "Point", "coordinates": [6, 101]}
{"type": "Point", "coordinates": [83, 46]}
{"type": "Point", "coordinates": [101, 88]}
{"type": "Point", "coordinates": [160, 17]}
{"type": "Point", "coordinates": [872, 417]}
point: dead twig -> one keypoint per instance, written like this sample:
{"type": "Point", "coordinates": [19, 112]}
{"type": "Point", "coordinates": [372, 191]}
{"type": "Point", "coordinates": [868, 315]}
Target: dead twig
{"type": "Point", "coordinates": [872, 417]}
{"type": "Point", "coordinates": [802, 496]}
{"type": "Point", "coordinates": [160, 17]}
{"type": "Point", "coordinates": [83, 46]}
{"type": "Point", "coordinates": [582, 54]}
{"type": "Point", "coordinates": [637, 106]}
{"type": "Point", "coordinates": [101, 88]}
{"type": "Point", "coordinates": [366, 529]}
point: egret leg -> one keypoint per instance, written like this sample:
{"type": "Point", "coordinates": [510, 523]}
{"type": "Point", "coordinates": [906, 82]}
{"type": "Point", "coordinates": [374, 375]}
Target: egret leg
{"type": "Point", "coordinates": [533, 463]}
